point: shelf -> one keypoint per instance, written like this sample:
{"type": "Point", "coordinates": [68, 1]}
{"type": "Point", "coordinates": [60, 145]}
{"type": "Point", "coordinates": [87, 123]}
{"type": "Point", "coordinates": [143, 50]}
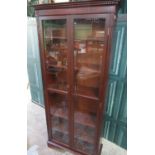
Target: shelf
{"type": "Point", "coordinates": [56, 37]}
{"type": "Point", "coordinates": [60, 128]}
{"type": "Point", "coordinates": [59, 112]}
{"type": "Point", "coordinates": [83, 136]}
{"type": "Point", "coordinates": [96, 39]}
{"type": "Point", "coordinates": [87, 71]}
{"type": "Point", "coordinates": [58, 28]}
{"type": "Point", "coordinates": [60, 136]}
{"type": "Point", "coordinates": [54, 71]}
{"type": "Point", "coordinates": [57, 66]}
{"type": "Point", "coordinates": [90, 39]}
{"type": "Point", "coordinates": [84, 119]}
{"type": "Point", "coordinates": [84, 147]}
{"type": "Point", "coordinates": [58, 48]}
{"type": "Point", "coordinates": [87, 92]}
{"type": "Point", "coordinates": [87, 97]}
{"type": "Point", "coordinates": [55, 90]}
{"type": "Point", "coordinates": [80, 118]}
{"type": "Point", "coordinates": [80, 134]}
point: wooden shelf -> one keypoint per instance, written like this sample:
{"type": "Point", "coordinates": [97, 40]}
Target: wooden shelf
{"type": "Point", "coordinates": [84, 147]}
{"type": "Point", "coordinates": [96, 39]}
{"type": "Point", "coordinates": [55, 90]}
{"type": "Point", "coordinates": [84, 119]}
{"type": "Point", "coordinates": [59, 112]}
{"type": "Point", "coordinates": [87, 70]}
{"type": "Point", "coordinates": [80, 134]}
{"type": "Point", "coordinates": [58, 48]}
{"type": "Point", "coordinates": [60, 136]}
{"type": "Point", "coordinates": [56, 37]}
{"type": "Point", "coordinates": [90, 39]}
{"type": "Point", "coordinates": [89, 94]}
{"type": "Point", "coordinates": [60, 128]}
{"type": "Point", "coordinates": [87, 97]}
{"type": "Point", "coordinates": [80, 118]}
{"type": "Point", "coordinates": [60, 28]}
{"type": "Point", "coordinates": [57, 66]}
{"type": "Point", "coordinates": [84, 136]}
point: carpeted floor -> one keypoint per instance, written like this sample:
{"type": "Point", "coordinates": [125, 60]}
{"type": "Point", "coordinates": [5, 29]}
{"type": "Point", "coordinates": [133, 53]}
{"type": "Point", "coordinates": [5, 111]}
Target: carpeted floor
{"type": "Point", "coordinates": [37, 135]}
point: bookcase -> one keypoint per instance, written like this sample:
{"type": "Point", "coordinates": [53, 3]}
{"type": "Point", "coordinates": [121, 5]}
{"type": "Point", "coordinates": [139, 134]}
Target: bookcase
{"type": "Point", "coordinates": [75, 41]}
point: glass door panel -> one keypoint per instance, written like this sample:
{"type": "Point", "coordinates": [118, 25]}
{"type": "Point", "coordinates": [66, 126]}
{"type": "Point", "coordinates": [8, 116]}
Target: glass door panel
{"type": "Point", "coordinates": [88, 53]}
{"type": "Point", "coordinates": [84, 124]}
{"type": "Point", "coordinates": [59, 117]}
{"type": "Point", "coordinates": [55, 41]}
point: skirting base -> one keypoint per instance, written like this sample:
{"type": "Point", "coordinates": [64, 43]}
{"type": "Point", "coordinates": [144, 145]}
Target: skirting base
{"type": "Point", "coordinates": [58, 146]}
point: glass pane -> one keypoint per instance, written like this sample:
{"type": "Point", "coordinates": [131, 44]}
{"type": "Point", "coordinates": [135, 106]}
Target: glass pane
{"type": "Point", "coordinates": [55, 42]}
{"type": "Point", "coordinates": [88, 53]}
{"type": "Point", "coordinates": [59, 114]}
{"type": "Point", "coordinates": [84, 124]}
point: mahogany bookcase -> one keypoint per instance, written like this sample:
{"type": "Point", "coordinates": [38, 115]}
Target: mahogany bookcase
{"type": "Point", "coordinates": [75, 42]}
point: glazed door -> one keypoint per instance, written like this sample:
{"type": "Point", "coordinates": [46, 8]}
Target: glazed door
{"type": "Point", "coordinates": [56, 66]}
{"type": "Point", "coordinates": [89, 60]}
{"type": "Point", "coordinates": [74, 56]}
{"type": "Point", "coordinates": [56, 53]}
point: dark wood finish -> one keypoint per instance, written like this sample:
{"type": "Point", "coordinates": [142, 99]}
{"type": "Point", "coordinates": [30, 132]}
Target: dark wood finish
{"type": "Point", "coordinates": [82, 10]}
{"type": "Point", "coordinates": [62, 147]}
{"type": "Point", "coordinates": [75, 71]}
{"type": "Point", "coordinates": [76, 4]}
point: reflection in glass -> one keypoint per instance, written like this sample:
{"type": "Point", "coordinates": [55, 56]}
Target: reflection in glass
{"type": "Point", "coordinates": [84, 124]}
{"type": "Point", "coordinates": [55, 42]}
{"type": "Point", "coordinates": [88, 51]}
{"type": "Point", "coordinates": [59, 114]}
{"type": "Point", "coordinates": [88, 55]}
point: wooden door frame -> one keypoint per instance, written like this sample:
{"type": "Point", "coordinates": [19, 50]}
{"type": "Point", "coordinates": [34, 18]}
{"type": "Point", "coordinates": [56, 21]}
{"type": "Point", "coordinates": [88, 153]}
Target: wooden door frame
{"type": "Point", "coordinates": [105, 64]}
{"type": "Point", "coordinates": [43, 58]}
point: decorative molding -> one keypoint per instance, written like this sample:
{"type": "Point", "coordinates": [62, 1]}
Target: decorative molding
{"type": "Point", "coordinates": [75, 4]}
